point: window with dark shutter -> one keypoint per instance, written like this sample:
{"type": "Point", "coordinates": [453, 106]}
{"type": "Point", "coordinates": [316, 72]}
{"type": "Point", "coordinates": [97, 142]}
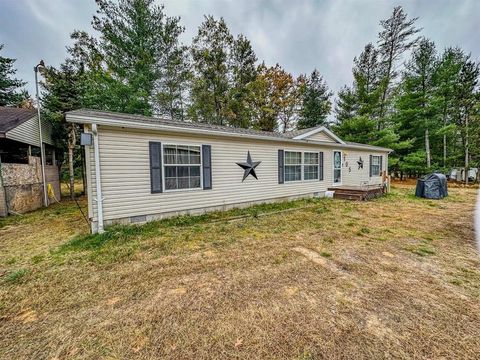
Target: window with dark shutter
{"type": "Point", "coordinates": [375, 165]}
{"type": "Point", "coordinates": [280, 167]}
{"type": "Point", "coordinates": [155, 167]}
{"type": "Point", "coordinates": [371, 164]}
{"type": "Point", "coordinates": [320, 165]}
{"type": "Point", "coordinates": [207, 166]}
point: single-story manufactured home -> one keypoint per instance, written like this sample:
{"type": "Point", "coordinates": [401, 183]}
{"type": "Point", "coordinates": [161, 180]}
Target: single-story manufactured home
{"type": "Point", "coordinates": [141, 168]}
{"type": "Point", "coordinates": [21, 178]}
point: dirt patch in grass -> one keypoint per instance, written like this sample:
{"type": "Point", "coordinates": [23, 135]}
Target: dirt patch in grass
{"type": "Point", "coordinates": [207, 287]}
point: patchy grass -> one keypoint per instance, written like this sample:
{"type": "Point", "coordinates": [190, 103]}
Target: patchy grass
{"type": "Point", "coordinates": [17, 276]}
{"type": "Point", "coordinates": [396, 277]}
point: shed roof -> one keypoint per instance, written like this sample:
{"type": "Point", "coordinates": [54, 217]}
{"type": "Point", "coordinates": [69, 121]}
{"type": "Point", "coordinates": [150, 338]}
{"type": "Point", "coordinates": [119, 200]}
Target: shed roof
{"type": "Point", "coordinates": [140, 121]}
{"type": "Point", "coordinates": [11, 117]}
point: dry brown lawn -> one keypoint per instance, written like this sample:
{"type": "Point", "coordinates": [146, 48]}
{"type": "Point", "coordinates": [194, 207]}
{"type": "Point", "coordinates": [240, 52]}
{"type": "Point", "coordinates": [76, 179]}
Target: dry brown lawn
{"type": "Point", "coordinates": [397, 277]}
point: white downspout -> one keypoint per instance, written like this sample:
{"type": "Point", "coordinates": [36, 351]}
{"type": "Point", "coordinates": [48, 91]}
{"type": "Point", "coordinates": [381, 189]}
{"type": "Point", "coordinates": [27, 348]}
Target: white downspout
{"type": "Point", "coordinates": [42, 149]}
{"type": "Point", "coordinates": [98, 183]}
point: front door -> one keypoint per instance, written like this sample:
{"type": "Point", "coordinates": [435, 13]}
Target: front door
{"type": "Point", "coordinates": [337, 168]}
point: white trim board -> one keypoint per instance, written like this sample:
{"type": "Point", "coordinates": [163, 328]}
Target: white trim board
{"type": "Point", "coordinates": [318, 130]}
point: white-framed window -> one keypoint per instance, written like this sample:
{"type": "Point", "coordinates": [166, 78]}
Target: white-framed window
{"type": "Point", "coordinates": [293, 166]}
{"type": "Point", "coordinates": [310, 166]}
{"type": "Point", "coordinates": [182, 167]}
{"type": "Point", "coordinates": [376, 160]}
{"type": "Point", "coordinates": [337, 167]}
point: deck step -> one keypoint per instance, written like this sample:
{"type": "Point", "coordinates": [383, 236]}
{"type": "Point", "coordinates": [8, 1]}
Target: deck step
{"type": "Point", "coordinates": [356, 193]}
{"type": "Point", "coordinates": [357, 197]}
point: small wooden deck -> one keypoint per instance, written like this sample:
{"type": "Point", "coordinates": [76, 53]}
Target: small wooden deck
{"type": "Point", "coordinates": [361, 193]}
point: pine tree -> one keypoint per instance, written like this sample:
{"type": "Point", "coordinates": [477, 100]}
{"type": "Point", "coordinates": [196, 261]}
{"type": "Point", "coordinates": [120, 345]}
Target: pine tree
{"type": "Point", "coordinates": [367, 79]}
{"type": "Point", "coordinates": [396, 37]}
{"type": "Point", "coordinates": [315, 101]}
{"type": "Point", "coordinates": [171, 89]}
{"type": "Point", "coordinates": [210, 53]}
{"type": "Point", "coordinates": [346, 105]}
{"type": "Point", "coordinates": [416, 109]}
{"type": "Point", "coordinates": [446, 79]}
{"type": "Point", "coordinates": [63, 91]}
{"type": "Point", "coordinates": [243, 72]}
{"type": "Point", "coordinates": [10, 88]}
{"type": "Point", "coordinates": [363, 98]}
{"type": "Point", "coordinates": [134, 40]}
{"type": "Point", "coordinates": [466, 103]}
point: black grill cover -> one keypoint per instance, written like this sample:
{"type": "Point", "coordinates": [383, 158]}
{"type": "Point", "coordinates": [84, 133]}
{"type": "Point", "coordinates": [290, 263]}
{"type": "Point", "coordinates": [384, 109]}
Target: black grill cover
{"type": "Point", "coordinates": [433, 186]}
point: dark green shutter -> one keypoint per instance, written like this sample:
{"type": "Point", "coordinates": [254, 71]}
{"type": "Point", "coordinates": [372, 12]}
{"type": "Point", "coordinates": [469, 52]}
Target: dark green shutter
{"type": "Point", "coordinates": [155, 167]}
{"type": "Point", "coordinates": [381, 164]}
{"type": "Point", "coordinates": [371, 165]}
{"type": "Point", "coordinates": [207, 166]}
{"type": "Point", "coordinates": [280, 167]}
{"type": "Point", "coordinates": [320, 166]}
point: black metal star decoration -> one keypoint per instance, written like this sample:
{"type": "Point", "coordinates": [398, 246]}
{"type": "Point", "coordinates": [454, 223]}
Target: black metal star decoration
{"type": "Point", "coordinates": [249, 167]}
{"type": "Point", "coordinates": [360, 163]}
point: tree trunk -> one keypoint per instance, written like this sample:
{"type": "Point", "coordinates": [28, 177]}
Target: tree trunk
{"type": "Point", "coordinates": [71, 146]}
{"type": "Point", "coordinates": [70, 172]}
{"type": "Point", "coordinates": [445, 150]}
{"type": "Point", "coordinates": [445, 137]}
{"type": "Point", "coordinates": [84, 172]}
{"type": "Point", "coordinates": [427, 148]}
{"type": "Point", "coordinates": [466, 150]}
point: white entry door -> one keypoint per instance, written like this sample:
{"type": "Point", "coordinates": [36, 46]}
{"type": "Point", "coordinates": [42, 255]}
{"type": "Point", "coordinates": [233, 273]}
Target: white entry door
{"type": "Point", "coordinates": [337, 168]}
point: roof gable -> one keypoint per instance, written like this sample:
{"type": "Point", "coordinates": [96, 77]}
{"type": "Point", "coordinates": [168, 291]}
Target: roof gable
{"type": "Point", "coordinates": [10, 118]}
{"type": "Point", "coordinates": [320, 133]}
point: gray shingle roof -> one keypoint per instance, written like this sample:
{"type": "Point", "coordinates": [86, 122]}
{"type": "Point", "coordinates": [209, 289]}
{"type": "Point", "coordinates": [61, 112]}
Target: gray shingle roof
{"type": "Point", "coordinates": [89, 114]}
{"type": "Point", "coordinates": [10, 117]}
{"type": "Point", "coordinates": [192, 125]}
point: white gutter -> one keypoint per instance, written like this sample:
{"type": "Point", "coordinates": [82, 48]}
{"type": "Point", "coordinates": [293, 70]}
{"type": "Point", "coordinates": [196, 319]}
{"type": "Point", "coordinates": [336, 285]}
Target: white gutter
{"type": "Point", "coordinates": [171, 128]}
{"type": "Point", "coordinates": [98, 183]}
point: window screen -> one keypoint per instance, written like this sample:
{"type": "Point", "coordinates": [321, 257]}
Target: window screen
{"type": "Point", "coordinates": [182, 166]}
{"type": "Point", "coordinates": [293, 166]}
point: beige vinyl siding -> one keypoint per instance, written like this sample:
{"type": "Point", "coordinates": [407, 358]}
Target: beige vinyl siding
{"type": "Point", "coordinates": [125, 173]}
{"type": "Point", "coordinates": [320, 136]}
{"type": "Point", "coordinates": [352, 175]}
{"type": "Point", "coordinates": [28, 133]}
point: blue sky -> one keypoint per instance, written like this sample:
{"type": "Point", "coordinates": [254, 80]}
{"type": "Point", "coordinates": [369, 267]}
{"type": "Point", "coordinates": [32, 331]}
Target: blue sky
{"type": "Point", "coordinates": [299, 35]}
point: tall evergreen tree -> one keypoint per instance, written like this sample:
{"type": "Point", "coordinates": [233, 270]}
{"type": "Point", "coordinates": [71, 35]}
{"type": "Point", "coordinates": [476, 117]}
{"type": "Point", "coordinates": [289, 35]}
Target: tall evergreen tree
{"type": "Point", "coordinates": [367, 79]}
{"type": "Point", "coordinates": [11, 93]}
{"type": "Point", "coordinates": [315, 101]}
{"type": "Point", "coordinates": [63, 91]}
{"type": "Point", "coordinates": [346, 105]}
{"type": "Point", "coordinates": [446, 80]}
{"type": "Point", "coordinates": [416, 108]}
{"type": "Point", "coordinates": [363, 98]}
{"type": "Point", "coordinates": [398, 35]}
{"type": "Point", "coordinates": [211, 52]}
{"type": "Point", "coordinates": [174, 68]}
{"type": "Point", "coordinates": [466, 103]}
{"type": "Point", "coordinates": [134, 40]}
{"type": "Point", "coordinates": [243, 72]}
